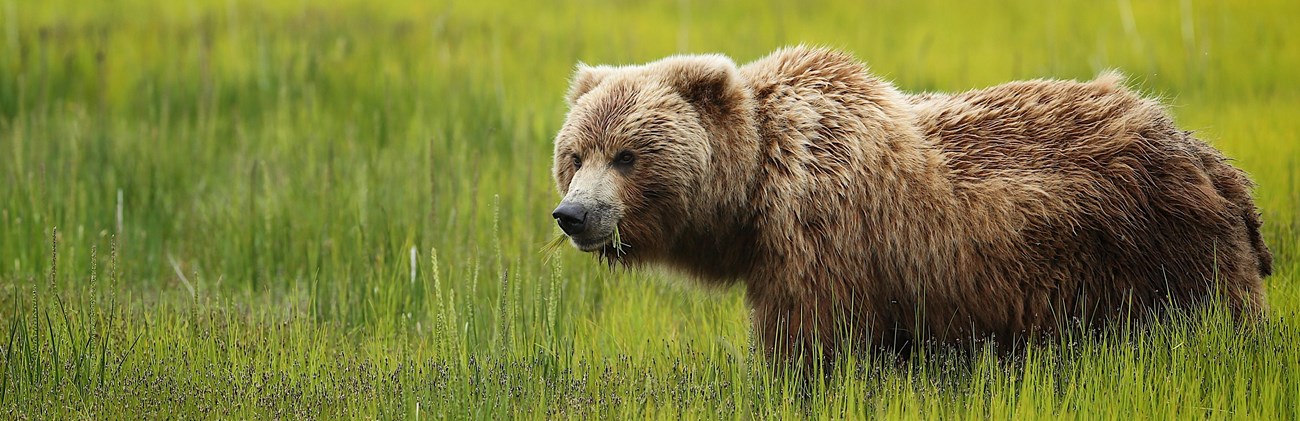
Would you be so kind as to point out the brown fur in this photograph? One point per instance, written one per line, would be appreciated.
(839, 201)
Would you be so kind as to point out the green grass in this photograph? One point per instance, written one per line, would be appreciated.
(239, 209)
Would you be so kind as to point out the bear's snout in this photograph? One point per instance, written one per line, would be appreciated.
(591, 209)
(572, 217)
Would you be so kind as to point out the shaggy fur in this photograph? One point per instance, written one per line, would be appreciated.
(855, 213)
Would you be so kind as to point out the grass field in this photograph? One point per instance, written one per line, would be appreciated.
(257, 209)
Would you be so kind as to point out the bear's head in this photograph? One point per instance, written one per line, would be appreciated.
(639, 156)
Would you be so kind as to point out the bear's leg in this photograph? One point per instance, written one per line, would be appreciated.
(1244, 288)
(812, 332)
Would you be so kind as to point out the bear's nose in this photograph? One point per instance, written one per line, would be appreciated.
(572, 217)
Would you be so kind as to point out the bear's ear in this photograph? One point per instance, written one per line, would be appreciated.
(709, 82)
(585, 79)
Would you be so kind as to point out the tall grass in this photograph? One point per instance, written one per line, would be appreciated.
(260, 174)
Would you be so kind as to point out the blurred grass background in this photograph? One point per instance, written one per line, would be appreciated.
(258, 209)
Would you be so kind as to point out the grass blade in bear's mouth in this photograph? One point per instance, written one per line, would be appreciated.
(618, 241)
(553, 246)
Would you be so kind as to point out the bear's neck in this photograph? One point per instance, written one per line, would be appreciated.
(718, 249)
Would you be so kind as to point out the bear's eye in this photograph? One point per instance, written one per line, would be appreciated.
(625, 158)
(577, 162)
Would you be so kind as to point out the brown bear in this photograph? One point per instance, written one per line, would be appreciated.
(855, 214)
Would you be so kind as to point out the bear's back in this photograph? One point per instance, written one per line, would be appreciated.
(1042, 126)
(1064, 150)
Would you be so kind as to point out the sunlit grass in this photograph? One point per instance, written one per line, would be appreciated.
(256, 209)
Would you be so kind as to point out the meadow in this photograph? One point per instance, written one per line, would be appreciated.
(265, 209)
